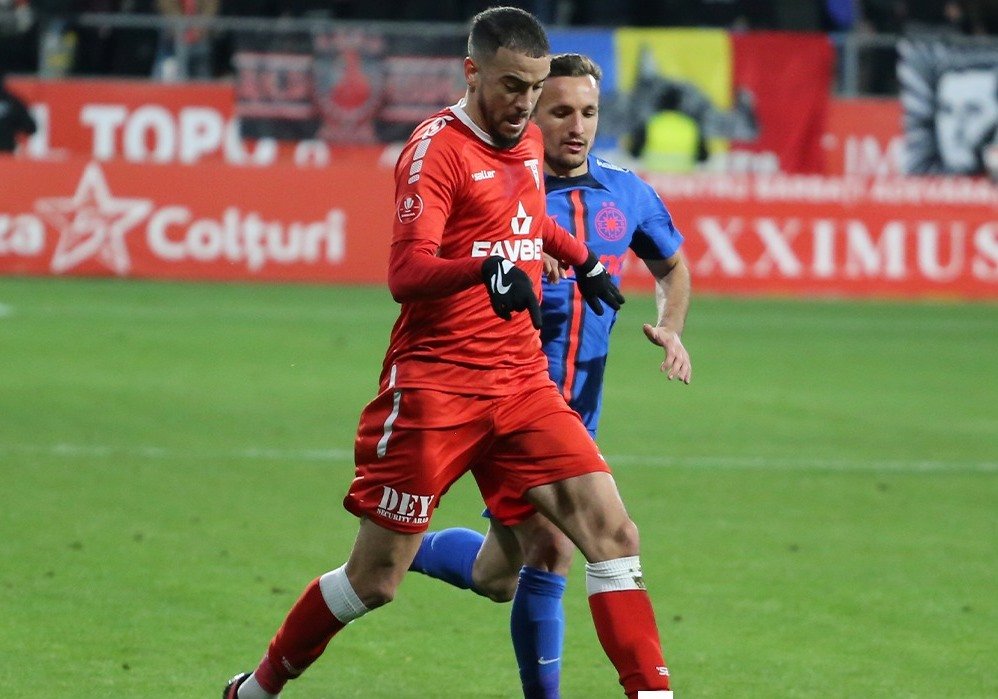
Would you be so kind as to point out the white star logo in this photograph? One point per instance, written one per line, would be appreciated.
(92, 223)
(521, 222)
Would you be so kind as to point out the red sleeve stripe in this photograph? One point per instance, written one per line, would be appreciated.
(576, 314)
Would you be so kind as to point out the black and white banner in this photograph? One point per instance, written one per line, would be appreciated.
(949, 93)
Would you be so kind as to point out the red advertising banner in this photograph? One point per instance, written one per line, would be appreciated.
(213, 222)
(786, 235)
(812, 235)
(143, 122)
(864, 138)
(789, 76)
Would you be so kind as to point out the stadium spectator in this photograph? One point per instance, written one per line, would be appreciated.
(955, 17)
(186, 52)
(615, 211)
(18, 37)
(15, 119)
(465, 386)
(95, 44)
(134, 49)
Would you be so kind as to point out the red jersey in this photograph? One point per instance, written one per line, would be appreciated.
(460, 199)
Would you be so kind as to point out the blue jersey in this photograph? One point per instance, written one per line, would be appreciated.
(611, 209)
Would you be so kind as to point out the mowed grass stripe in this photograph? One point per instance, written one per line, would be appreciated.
(740, 462)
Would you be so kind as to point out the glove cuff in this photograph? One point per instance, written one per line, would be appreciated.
(592, 267)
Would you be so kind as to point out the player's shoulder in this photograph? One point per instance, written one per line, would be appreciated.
(436, 127)
(437, 139)
(606, 165)
(615, 176)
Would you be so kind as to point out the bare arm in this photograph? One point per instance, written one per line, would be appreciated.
(672, 296)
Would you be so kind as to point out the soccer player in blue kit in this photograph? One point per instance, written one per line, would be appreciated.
(613, 210)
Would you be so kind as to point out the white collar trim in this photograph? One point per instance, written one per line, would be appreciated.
(462, 116)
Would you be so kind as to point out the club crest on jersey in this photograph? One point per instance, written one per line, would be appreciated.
(409, 208)
(521, 222)
(532, 164)
(611, 224)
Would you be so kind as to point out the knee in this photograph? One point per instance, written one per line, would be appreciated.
(375, 591)
(625, 537)
(617, 540)
(550, 550)
(496, 587)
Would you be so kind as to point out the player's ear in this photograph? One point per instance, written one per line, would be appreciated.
(471, 74)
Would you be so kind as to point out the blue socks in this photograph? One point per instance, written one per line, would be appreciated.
(449, 555)
(537, 621)
(537, 624)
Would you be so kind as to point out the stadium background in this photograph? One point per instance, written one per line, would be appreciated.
(192, 314)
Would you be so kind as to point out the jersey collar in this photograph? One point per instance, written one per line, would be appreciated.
(592, 178)
(462, 116)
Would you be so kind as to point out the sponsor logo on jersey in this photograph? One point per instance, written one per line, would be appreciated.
(517, 249)
(483, 175)
(521, 222)
(400, 506)
(610, 166)
(409, 208)
(611, 224)
(532, 164)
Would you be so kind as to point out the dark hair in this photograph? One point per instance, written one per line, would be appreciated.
(574, 65)
(506, 27)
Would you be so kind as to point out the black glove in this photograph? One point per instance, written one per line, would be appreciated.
(596, 285)
(510, 289)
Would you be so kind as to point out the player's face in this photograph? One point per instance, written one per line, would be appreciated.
(966, 111)
(504, 90)
(568, 113)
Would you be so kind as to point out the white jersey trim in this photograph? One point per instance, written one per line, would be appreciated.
(462, 116)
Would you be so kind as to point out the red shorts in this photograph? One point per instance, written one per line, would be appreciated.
(414, 443)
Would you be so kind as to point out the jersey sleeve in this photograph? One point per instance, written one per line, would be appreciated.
(415, 273)
(562, 245)
(427, 178)
(427, 181)
(656, 236)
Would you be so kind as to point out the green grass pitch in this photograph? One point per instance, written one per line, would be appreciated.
(819, 509)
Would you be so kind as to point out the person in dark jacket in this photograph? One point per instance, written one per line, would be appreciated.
(14, 118)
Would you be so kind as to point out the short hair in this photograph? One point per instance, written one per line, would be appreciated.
(506, 27)
(574, 65)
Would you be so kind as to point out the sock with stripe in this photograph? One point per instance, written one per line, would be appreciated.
(625, 624)
(537, 624)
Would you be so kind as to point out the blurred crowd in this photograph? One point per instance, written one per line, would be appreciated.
(42, 35)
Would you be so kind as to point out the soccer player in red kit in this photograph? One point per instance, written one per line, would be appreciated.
(464, 385)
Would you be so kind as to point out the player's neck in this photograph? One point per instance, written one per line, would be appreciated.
(474, 113)
(565, 173)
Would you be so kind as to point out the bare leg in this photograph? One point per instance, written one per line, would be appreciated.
(378, 562)
(588, 509)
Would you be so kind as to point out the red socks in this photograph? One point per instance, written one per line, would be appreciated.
(303, 636)
(625, 624)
